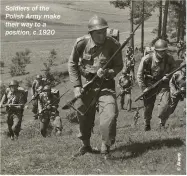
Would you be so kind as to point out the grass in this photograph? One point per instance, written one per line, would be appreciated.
(135, 151)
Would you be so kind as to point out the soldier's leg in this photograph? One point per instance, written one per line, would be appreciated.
(44, 122)
(148, 109)
(173, 104)
(122, 99)
(129, 101)
(86, 121)
(57, 123)
(17, 119)
(163, 106)
(10, 123)
(35, 107)
(108, 112)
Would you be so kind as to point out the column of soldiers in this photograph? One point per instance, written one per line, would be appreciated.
(45, 106)
(90, 53)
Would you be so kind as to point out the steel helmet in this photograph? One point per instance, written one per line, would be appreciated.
(38, 76)
(161, 45)
(97, 23)
(14, 83)
(47, 88)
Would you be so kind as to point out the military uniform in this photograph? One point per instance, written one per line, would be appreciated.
(15, 114)
(130, 62)
(125, 84)
(150, 71)
(92, 57)
(36, 88)
(177, 86)
(50, 113)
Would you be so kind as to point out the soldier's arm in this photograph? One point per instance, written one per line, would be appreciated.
(173, 90)
(172, 64)
(33, 88)
(140, 74)
(73, 69)
(117, 62)
(4, 98)
(40, 107)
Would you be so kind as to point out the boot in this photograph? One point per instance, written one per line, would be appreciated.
(147, 127)
(86, 148)
(105, 149)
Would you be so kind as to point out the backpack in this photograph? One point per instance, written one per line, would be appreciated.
(24, 93)
(55, 92)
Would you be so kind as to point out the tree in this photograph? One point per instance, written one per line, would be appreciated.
(177, 20)
(135, 12)
(142, 36)
(160, 20)
(164, 27)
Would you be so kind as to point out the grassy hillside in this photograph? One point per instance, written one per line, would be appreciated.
(135, 151)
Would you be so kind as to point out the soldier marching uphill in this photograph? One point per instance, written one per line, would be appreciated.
(91, 52)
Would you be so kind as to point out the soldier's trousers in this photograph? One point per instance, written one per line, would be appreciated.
(129, 101)
(45, 118)
(173, 104)
(163, 108)
(108, 113)
(14, 123)
(35, 106)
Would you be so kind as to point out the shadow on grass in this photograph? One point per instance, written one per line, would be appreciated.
(137, 149)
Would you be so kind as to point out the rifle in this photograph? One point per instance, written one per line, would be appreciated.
(147, 90)
(11, 105)
(45, 108)
(88, 85)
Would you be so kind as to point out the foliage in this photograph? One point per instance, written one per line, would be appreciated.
(137, 11)
(48, 64)
(19, 63)
(2, 64)
(29, 80)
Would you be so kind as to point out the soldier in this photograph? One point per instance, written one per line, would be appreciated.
(177, 86)
(125, 84)
(95, 49)
(47, 106)
(15, 98)
(130, 62)
(152, 68)
(37, 87)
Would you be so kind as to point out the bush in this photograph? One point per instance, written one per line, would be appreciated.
(17, 69)
(29, 80)
(2, 64)
(19, 63)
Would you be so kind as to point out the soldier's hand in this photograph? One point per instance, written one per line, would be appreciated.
(100, 73)
(77, 91)
(165, 78)
(183, 89)
(33, 96)
(110, 74)
(48, 107)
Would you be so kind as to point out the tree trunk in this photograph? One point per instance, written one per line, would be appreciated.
(142, 37)
(179, 23)
(183, 20)
(160, 19)
(164, 28)
(132, 39)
